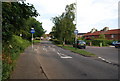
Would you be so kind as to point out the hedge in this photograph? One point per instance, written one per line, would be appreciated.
(10, 52)
(97, 42)
(56, 41)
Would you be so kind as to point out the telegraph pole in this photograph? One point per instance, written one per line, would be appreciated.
(76, 14)
(76, 31)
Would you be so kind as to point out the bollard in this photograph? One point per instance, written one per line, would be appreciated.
(101, 44)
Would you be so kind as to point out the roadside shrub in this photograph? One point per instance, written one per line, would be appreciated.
(10, 52)
(87, 42)
(56, 41)
(97, 42)
(51, 39)
(80, 38)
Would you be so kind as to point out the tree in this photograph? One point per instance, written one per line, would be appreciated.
(64, 27)
(14, 16)
(33, 23)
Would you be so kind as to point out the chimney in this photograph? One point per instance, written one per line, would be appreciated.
(106, 29)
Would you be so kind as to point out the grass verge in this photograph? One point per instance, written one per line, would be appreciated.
(10, 53)
(36, 41)
(76, 50)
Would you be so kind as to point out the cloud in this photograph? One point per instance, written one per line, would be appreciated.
(90, 13)
(47, 24)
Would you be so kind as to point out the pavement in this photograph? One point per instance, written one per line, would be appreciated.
(28, 67)
(47, 61)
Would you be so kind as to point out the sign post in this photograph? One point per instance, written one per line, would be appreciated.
(32, 31)
(76, 32)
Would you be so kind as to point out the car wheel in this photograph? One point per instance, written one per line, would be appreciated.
(116, 47)
(84, 47)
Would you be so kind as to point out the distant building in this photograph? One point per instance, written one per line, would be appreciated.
(109, 34)
(48, 36)
(93, 30)
(80, 34)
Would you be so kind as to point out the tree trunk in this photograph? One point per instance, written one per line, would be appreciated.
(63, 41)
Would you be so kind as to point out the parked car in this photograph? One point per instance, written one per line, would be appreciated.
(80, 44)
(114, 42)
(117, 45)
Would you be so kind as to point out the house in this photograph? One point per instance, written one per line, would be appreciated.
(79, 35)
(48, 36)
(113, 34)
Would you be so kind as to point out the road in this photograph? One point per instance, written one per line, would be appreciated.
(58, 63)
(108, 53)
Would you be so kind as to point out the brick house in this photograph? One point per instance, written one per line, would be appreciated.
(79, 35)
(109, 34)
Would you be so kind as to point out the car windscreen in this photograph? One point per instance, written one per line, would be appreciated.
(81, 42)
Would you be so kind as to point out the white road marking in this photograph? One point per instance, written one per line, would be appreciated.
(44, 49)
(66, 57)
(36, 50)
(53, 49)
(104, 60)
(63, 55)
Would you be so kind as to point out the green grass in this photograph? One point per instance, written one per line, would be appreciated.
(10, 53)
(79, 51)
(36, 41)
(59, 45)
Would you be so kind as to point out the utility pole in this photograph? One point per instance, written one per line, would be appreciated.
(76, 31)
(76, 14)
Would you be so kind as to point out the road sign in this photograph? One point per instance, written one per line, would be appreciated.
(32, 31)
(76, 32)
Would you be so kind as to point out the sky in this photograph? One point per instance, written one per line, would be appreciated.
(90, 13)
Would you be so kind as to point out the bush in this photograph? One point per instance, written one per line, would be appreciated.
(11, 51)
(56, 41)
(97, 42)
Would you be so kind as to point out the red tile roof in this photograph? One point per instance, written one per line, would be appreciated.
(115, 31)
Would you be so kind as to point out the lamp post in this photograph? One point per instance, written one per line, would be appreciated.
(32, 31)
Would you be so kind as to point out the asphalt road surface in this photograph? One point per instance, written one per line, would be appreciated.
(58, 63)
(108, 53)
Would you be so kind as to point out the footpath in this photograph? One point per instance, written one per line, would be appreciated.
(28, 67)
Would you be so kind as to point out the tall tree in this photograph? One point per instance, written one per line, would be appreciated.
(63, 25)
(33, 23)
(14, 14)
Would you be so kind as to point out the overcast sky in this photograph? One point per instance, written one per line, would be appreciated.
(90, 13)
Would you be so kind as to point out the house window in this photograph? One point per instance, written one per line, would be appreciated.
(112, 36)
